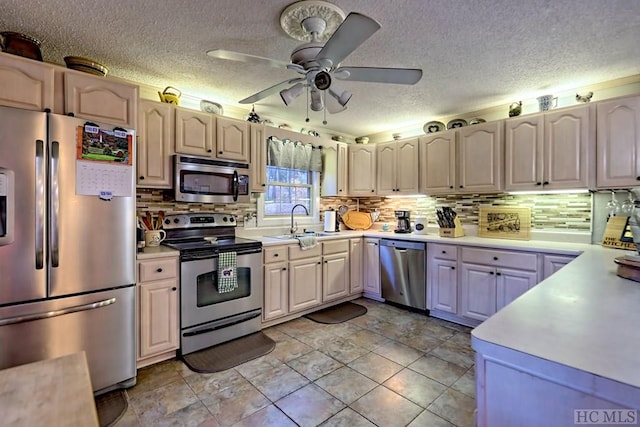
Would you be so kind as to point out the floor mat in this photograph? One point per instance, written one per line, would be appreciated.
(111, 407)
(338, 313)
(229, 354)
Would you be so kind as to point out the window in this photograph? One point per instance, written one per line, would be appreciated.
(286, 188)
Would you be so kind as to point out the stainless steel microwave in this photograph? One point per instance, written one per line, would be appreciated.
(202, 180)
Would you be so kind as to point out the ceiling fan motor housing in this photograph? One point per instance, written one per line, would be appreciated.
(322, 80)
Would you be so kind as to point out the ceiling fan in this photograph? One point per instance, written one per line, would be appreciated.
(330, 37)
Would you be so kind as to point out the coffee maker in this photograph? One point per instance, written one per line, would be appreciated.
(404, 222)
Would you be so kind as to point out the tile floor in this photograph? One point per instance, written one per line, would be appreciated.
(389, 367)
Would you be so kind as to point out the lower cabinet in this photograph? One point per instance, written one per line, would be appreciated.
(276, 282)
(371, 267)
(442, 278)
(158, 320)
(335, 269)
(305, 283)
(356, 283)
(552, 263)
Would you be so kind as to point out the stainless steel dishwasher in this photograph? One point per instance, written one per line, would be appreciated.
(402, 272)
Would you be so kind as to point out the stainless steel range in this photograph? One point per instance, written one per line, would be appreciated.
(210, 311)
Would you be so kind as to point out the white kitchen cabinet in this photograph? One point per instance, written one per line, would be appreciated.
(232, 139)
(569, 137)
(480, 158)
(477, 291)
(98, 99)
(155, 145)
(438, 163)
(397, 167)
(442, 285)
(195, 132)
(552, 263)
(305, 283)
(371, 268)
(356, 283)
(511, 283)
(25, 83)
(618, 143)
(524, 152)
(276, 290)
(258, 157)
(362, 170)
(335, 269)
(158, 320)
(334, 169)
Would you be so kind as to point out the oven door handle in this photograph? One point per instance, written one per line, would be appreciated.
(235, 186)
(217, 327)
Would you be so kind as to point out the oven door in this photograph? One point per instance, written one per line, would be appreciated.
(202, 303)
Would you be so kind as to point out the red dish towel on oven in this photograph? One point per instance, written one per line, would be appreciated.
(227, 272)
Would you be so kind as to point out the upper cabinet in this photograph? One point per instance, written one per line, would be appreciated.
(480, 158)
(25, 83)
(397, 167)
(334, 169)
(362, 170)
(258, 158)
(618, 143)
(99, 99)
(552, 150)
(155, 144)
(232, 139)
(438, 163)
(195, 132)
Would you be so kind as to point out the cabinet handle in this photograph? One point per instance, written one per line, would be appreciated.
(209, 151)
(453, 268)
(373, 191)
(545, 183)
(444, 252)
(491, 272)
(141, 178)
(320, 262)
(462, 186)
(538, 183)
(340, 190)
(284, 268)
(326, 262)
(498, 274)
(159, 270)
(275, 255)
(495, 258)
(264, 185)
(174, 289)
(637, 178)
(220, 152)
(451, 187)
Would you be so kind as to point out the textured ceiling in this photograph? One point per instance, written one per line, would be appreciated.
(474, 54)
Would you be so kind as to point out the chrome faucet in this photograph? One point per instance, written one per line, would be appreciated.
(294, 228)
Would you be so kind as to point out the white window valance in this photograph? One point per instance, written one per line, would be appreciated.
(293, 155)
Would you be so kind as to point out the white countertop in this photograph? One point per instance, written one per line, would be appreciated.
(156, 252)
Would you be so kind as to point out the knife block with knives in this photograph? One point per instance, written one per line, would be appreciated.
(449, 223)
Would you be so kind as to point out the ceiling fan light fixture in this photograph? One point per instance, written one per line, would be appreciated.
(341, 96)
(288, 95)
(316, 100)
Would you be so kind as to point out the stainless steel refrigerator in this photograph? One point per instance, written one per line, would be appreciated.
(67, 260)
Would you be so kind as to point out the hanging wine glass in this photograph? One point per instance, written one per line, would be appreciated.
(627, 206)
(613, 206)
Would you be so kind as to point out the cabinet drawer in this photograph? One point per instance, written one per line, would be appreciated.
(157, 269)
(275, 254)
(435, 250)
(496, 258)
(335, 247)
(296, 253)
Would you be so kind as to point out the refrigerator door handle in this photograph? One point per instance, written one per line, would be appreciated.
(62, 312)
(40, 204)
(55, 203)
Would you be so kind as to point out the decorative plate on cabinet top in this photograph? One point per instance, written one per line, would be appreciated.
(456, 123)
(86, 65)
(432, 127)
(477, 121)
(211, 107)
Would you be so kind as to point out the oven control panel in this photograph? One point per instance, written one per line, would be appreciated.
(199, 220)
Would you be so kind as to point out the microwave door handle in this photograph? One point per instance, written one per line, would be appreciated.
(55, 203)
(235, 186)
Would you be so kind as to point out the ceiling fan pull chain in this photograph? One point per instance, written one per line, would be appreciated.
(307, 119)
(324, 110)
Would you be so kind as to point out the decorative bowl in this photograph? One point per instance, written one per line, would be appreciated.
(362, 140)
(211, 107)
(20, 44)
(432, 127)
(86, 65)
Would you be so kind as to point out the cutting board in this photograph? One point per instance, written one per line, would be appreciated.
(357, 220)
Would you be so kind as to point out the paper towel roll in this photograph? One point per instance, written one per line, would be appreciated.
(329, 221)
(420, 225)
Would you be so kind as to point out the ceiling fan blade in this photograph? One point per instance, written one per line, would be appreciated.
(270, 91)
(354, 30)
(402, 76)
(246, 58)
(332, 106)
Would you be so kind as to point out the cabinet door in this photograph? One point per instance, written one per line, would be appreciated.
(567, 150)
(443, 285)
(362, 170)
(25, 83)
(618, 131)
(158, 320)
(305, 283)
(232, 139)
(195, 133)
(523, 160)
(343, 168)
(438, 163)
(478, 291)
(386, 168)
(553, 263)
(480, 157)
(101, 100)
(356, 283)
(329, 183)
(335, 276)
(276, 290)
(407, 166)
(371, 267)
(155, 145)
(511, 283)
(258, 165)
